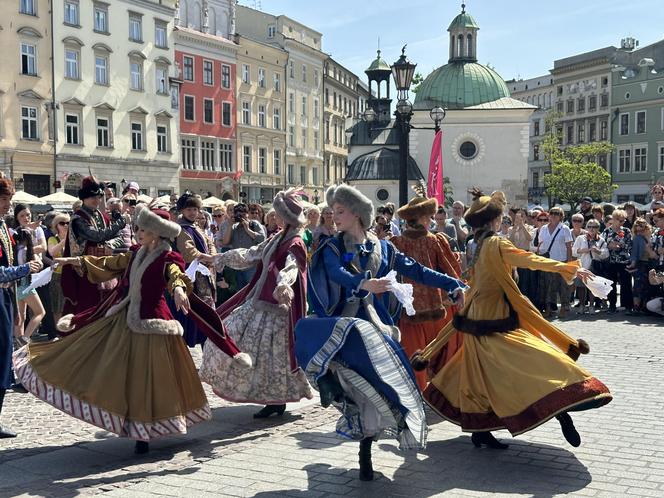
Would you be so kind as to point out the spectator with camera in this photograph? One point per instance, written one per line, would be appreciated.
(619, 241)
(244, 233)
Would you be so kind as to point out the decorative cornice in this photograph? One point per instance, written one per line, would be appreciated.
(104, 106)
(30, 94)
(163, 60)
(163, 113)
(73, 101)
(28, 31)
(72, 40)
(138, 110)
(136, 53)
(103, 47)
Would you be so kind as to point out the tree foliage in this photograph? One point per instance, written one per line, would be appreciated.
(417, 81)
(575, 173)
(448, 191)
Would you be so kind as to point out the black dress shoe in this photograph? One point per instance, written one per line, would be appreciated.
(569, 431)
(268, 410)
(6, 432)
(18, 388)
(142, 447)
(366, 467)
(487, 439)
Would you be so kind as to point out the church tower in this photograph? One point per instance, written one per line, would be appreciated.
(463, 37)
(378, 72)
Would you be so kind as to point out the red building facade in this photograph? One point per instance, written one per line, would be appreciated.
(207, 112)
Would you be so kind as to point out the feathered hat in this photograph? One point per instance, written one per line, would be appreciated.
(187, 200)
(359, 204)
(156, 221)
(485, 208)
(289, 207)
(90, 187)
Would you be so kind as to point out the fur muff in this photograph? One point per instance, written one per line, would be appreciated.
(353, 199)
(243, 360)
(418, 362)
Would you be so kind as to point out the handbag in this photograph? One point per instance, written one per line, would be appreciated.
(547, 254)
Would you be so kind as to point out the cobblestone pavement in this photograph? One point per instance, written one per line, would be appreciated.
(234, 455)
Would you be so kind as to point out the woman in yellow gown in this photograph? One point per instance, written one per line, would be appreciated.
(515, 370)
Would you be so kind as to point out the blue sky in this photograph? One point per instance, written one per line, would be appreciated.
(517, 37)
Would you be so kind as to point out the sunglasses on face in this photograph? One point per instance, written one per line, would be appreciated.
(577, 221)
(217, 215)
(63, 223)
(542, 219)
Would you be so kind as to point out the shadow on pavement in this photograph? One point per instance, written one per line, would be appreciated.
(449, 465)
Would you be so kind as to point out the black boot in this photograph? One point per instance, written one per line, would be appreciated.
(329, 389)
(268, 410)
(142, 447)
(366, 468)
(487, 439)
(5, 432)
(569, 431)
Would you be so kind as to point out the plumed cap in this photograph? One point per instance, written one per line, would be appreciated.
(485, 208)
(90, 187)
(353, 199)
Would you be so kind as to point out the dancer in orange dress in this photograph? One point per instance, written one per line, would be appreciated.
(433, 307)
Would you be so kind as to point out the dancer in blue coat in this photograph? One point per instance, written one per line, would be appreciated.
(350, 350)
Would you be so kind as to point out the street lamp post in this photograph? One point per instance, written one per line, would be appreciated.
(403, 71)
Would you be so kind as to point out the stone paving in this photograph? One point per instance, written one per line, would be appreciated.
(299, 456)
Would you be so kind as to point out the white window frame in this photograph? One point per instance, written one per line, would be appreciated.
(74, 63)
(73, 135)
(161, 70)
(290, 174)
(261, 115)
(291, 69)
(276, 118)
(314, 175)
(136, 80)
(163, 142)
(189, 152)
(32, 122)
(98, 69)
(227, 105)
(210, 64)
(193, 108)
(106, 130)
(291, 136)
(316, 109)
(186, 58)
(636, 122)
(303, 175)
(276, 161)
(102, 10)
(626, 153)
(30, 68)
(271, 30)
(660, 156)
(28, 7)
(137, 135)
(208, 154)
(135, 27)
(642, 158)
(225, 77)
(277, 82)
(205, 105)
(72, 13)
(262, 160)
(246, 158)
(304, 73)
(305, 101)
(620, 128)
(291, 102)
(225, 156)
(261, 77)
(304, 138)
(160, 27)
(316, 78)
(246, 73)
(246, 112)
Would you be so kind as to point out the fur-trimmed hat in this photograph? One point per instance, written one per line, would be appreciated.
(187, 200)
(156, 221)
(353, 199)
(289, 207)
(90, 187)
(418, 207)
(485, 208)
(6, 186)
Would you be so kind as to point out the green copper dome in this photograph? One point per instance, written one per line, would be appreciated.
(463, 21)
(460, 84)
(379, 65)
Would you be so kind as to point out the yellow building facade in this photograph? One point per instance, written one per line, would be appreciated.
(26, 145)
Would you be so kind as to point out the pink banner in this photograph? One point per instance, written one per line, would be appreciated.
(435, 182)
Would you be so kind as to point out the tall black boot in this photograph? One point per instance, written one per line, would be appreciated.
(366, 468)
(5, 432)
(569, 431)
(329, 389)
(142, 447)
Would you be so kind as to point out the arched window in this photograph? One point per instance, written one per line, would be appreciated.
(459, 50)
(451, 46)
(212, 20)
(469, 48)
(184, 14)
(194, 16)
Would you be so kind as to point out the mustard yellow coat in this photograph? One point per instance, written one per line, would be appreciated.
(513, 380)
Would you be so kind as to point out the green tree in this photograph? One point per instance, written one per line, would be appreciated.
(417, 81)
(574, 173)
(448, 191)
